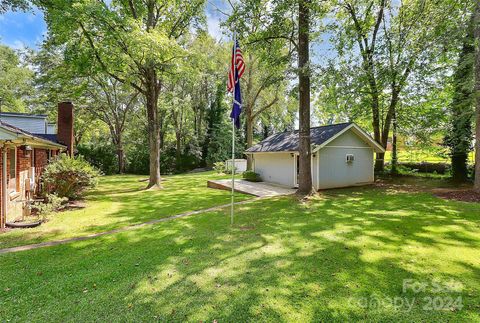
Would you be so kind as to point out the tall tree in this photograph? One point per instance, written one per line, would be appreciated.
(113, 103)
(134, 42)
(291, 20)
(16, 81)
(459, 137)
(217, 142)
(477, 96)
(262, 91)
(304, 147)
(266, 67)
(393, 43)
(14, 5)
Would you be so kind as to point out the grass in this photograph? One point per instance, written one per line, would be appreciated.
(120, 201)
(418, 155)
(342, 256)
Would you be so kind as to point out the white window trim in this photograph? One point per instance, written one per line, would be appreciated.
(349, 161)
(10, 178)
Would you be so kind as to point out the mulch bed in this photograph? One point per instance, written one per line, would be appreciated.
(459, 195)
(79, 204)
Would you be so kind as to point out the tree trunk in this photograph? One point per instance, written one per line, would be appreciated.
(178, 148)
(151, 98)
(379, 162)
(249, 126)
(120, 155)
(249, 141)
(305, 171)
(249, 120)
(394, 144)
(477, 96)
(265, 131)
(121, 161)
(391, 114)
(460, 136)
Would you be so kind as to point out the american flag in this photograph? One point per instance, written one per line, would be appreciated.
(237, 67)
(233, 85)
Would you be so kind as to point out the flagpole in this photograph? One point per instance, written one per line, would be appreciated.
(233, 138)
(233, 170)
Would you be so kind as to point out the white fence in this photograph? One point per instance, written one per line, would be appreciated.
(240, 165)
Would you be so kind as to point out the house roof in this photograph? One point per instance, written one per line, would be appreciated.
(48, 136)
(41, 138)
(288, 141)
(23, 115)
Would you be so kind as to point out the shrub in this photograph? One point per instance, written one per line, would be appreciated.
(251, 176)
(101, 155)
(52, 203)
(219, 167)
(424, 167)
(229, 170)
(69, 177)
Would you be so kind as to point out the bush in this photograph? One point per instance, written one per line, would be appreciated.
(251, 176)
(219, 167)
(101, 155)
(424, 167)
(229, 170)
(69, 177)
(52, 203)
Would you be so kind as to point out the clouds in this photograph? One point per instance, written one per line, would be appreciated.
(216, 11)
(213, 25)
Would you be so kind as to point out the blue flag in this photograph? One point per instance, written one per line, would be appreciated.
(237, 105)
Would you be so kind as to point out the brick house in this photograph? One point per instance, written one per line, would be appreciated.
(27, 143)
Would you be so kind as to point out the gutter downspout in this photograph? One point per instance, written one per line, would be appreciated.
(4, 188)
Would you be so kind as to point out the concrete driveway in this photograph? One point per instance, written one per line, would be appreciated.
(260, 189)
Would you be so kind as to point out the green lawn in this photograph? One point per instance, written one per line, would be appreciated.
(342, 256)
(418, 155)
(120, 201)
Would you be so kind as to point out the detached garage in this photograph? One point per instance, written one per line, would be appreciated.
(342, 155)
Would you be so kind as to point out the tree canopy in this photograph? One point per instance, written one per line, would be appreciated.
(149, 81)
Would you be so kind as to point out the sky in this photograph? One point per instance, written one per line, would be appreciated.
(27, 29)
(22, 29)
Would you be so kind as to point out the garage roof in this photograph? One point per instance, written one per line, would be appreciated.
(288, 141)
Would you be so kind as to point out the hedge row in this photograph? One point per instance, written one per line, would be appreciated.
(425, 167)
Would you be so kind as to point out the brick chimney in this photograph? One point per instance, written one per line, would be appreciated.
(65, 125)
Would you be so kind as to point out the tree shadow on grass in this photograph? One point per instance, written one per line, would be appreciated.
(317, 262)
(122, 201)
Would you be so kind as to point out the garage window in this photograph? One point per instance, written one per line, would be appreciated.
(349, 158)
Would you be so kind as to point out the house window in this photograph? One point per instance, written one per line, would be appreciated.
(32, 161)
(349, 158)
(12, 169)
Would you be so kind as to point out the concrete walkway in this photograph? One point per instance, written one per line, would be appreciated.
(260, 189)
(123, 229)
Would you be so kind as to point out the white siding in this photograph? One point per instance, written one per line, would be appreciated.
(329, 166)
(334, 171)
(275, 167)
(348, 139)
(30, 124)
(51, 128)
(315, 169)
